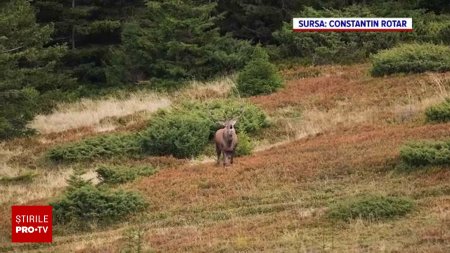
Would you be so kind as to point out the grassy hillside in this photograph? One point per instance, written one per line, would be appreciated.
(334, 137)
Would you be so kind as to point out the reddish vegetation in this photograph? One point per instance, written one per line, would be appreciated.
(287, 168)
(348, 84)
(296, 162)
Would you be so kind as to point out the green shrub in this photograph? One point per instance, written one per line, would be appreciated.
(89, 205)
(122, 174)
(245, 145)
(371, 208)
(411, 58)
(440, 112)
(426, 153)
(185, 131)
(102, 146)
(259, 76)
(251, 118)
(181, 134)
(17, 108)
(444, 34)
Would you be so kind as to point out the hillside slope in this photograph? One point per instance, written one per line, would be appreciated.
(335, 135)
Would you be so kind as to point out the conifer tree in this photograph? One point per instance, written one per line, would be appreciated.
(90, 28)
(175, 41)
(254, 20)
(28, 75)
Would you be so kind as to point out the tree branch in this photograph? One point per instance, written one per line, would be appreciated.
(12, 50)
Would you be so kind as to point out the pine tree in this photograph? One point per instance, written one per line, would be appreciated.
(28, 75)
(175, 41)
(255, 20)
(259, 76)
(90, 28)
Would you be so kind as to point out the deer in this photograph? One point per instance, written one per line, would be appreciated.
(226, 141)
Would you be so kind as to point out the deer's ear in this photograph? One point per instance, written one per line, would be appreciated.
(233, 121)
(221, 123)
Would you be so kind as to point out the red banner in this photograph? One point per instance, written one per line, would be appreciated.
(31, 223)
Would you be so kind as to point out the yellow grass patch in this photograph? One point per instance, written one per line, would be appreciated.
(99, 114)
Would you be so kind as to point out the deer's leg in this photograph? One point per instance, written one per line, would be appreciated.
(224, 158)
(218, 152)
(231, 156)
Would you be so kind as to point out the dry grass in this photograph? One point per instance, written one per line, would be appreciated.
(342, 96)
(49, 182)
(220, 88)
(102, 115)
(342, 131)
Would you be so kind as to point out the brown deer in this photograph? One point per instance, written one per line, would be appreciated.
(226, 141)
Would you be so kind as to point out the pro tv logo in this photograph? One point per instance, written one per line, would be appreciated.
(31, 223)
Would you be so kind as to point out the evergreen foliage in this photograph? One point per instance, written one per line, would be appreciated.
(30, 79)
(112, 145)
(250, 117)
(84, 205)
(424, 153)
(184, 132)
(183, 135)
(162, 44)
(259, 76)
(254, 20)
(245, 146)
(327, 48)
(176, 41)
(411, 58)
(439, 112)
(90, 28)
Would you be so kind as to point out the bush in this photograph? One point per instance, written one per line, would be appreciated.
(121, 174)
(440, 112)
(251, 118)
(185, 131)
(426, 153)
(444, 34)
(259, 76)
(181, 134)
(102, 146)
(84, 204)
(17, 108)
(245, 146)
(371, 208)
(411, 58)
